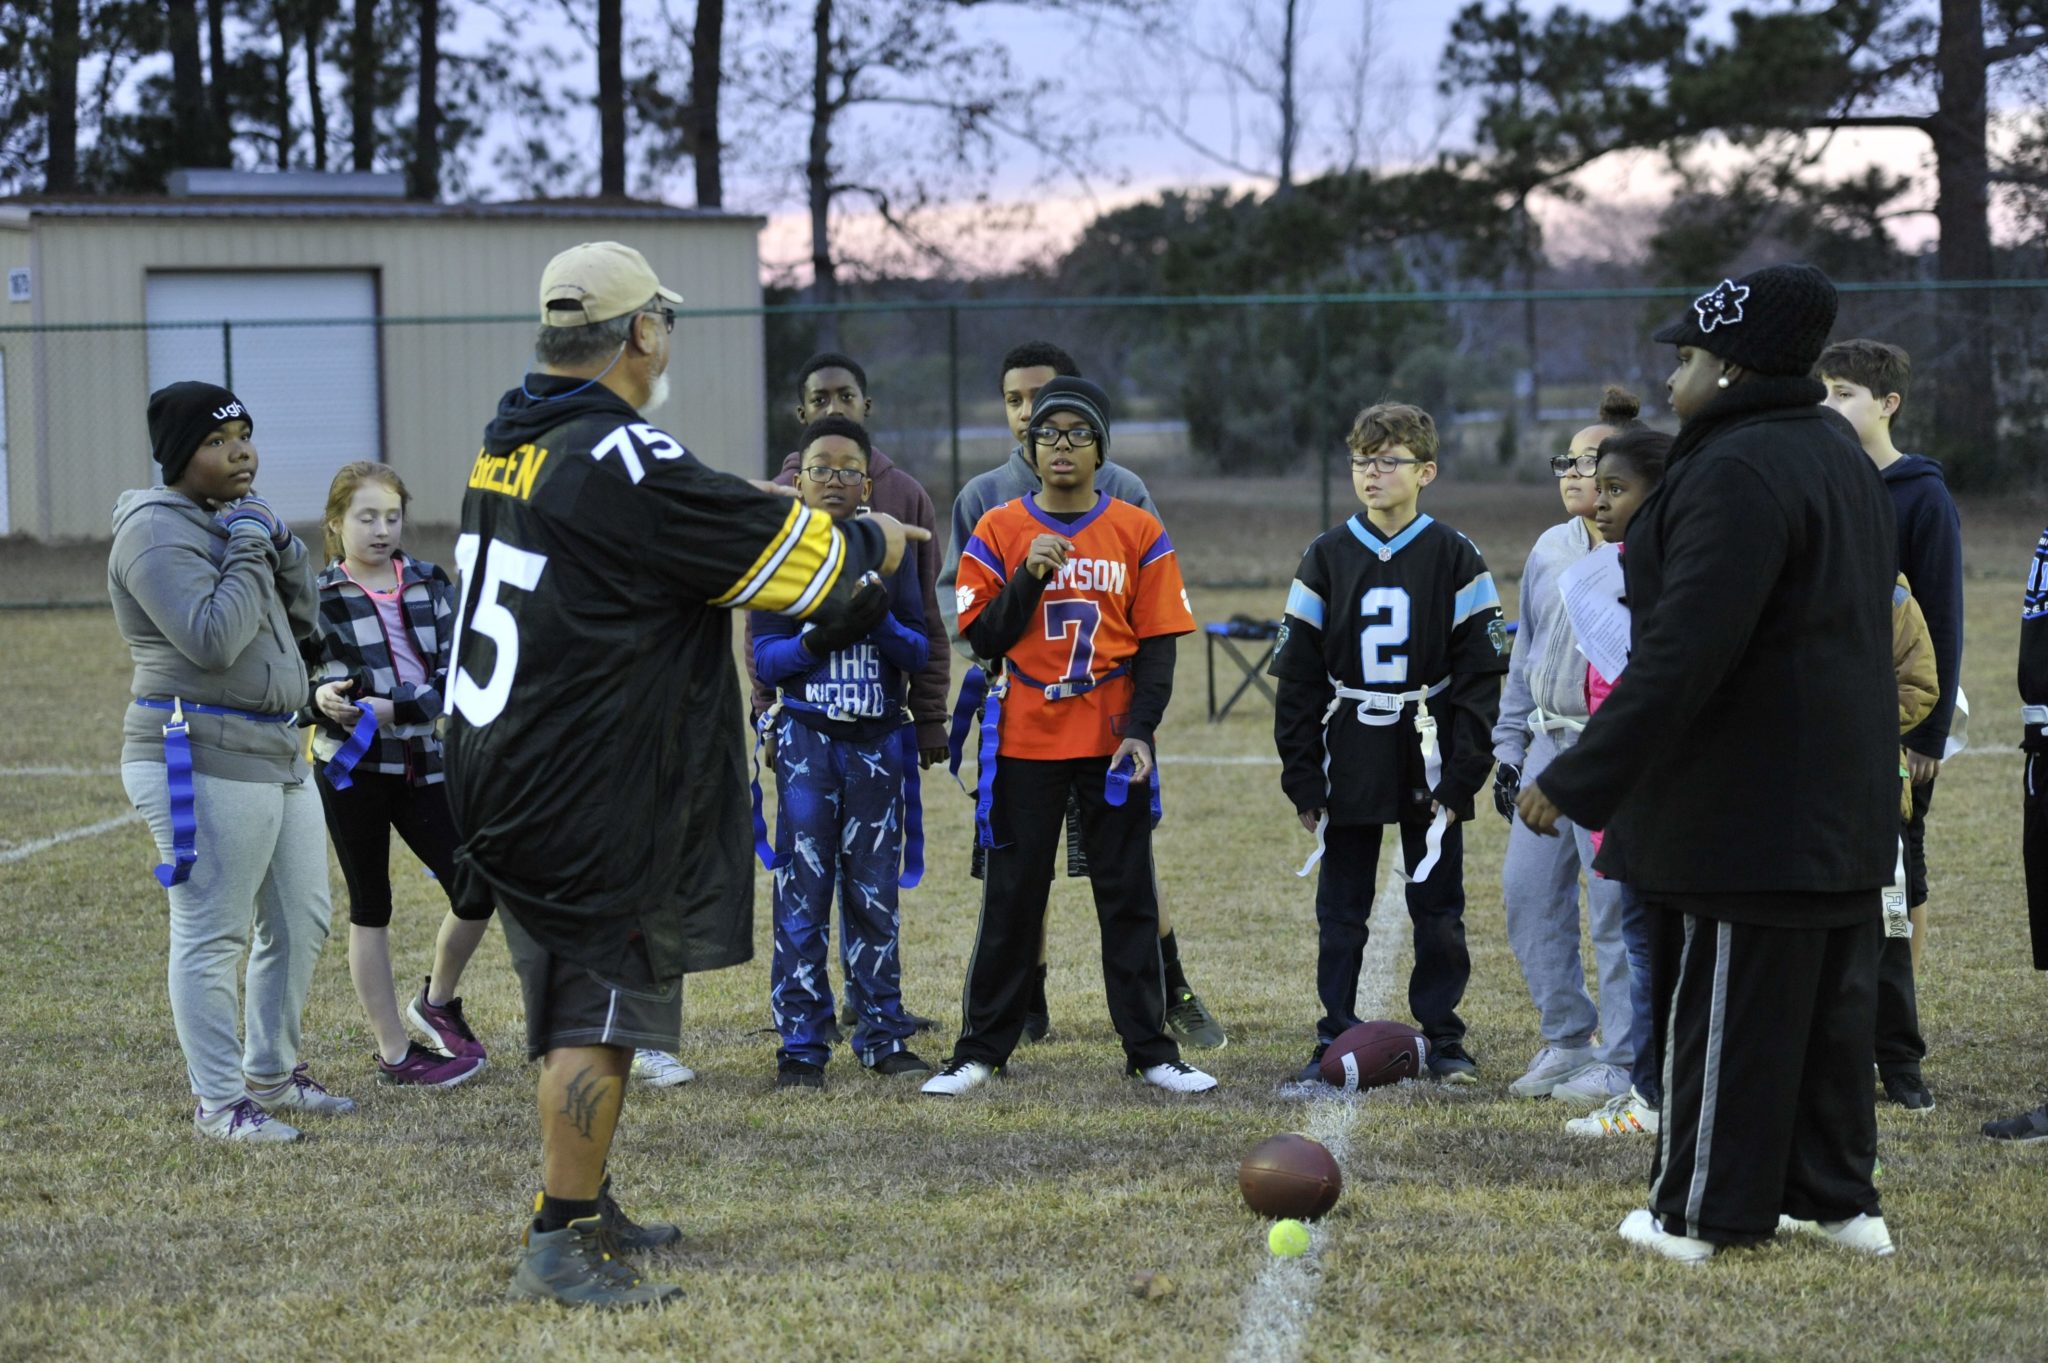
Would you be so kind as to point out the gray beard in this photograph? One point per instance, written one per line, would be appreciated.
(658, 397)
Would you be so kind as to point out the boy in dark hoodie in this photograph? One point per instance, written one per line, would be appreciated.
(1866, 383)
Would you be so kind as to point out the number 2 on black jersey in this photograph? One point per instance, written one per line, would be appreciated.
(1384, 610)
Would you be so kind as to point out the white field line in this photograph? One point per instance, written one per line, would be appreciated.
(91, 830)
(1273, 1325)
(60, 771)
(1210, 760)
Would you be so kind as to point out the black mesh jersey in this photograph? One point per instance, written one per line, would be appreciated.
(595, 735)
(1396, 615)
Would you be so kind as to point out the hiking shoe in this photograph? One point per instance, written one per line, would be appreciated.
(1623, 1115)
(429, 1068)
(242, 1120)
(626, 1235)
(1590, 1087)
(1909, 1091)
(1312, 1072)
(799, 1074)
(1175, 1077)
(955, 1077)
(1450, 1064)
(2024, 1129)
(1863, 1233)
(572, 1267)
(444, 1022)
(660, 1070)
(301, 1094)
(901, 1062)
(1190, 1020)
(1640, 1227)
(1551, 1067)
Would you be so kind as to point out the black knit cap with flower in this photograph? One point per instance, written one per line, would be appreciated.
(1774, 321)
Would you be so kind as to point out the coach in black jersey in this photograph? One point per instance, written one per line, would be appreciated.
(595, 754)
(1745, 768)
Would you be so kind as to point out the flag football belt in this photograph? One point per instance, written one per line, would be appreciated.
(1381, 708)
(178, 779)
(1542, 721)
(341, 767)
(983, 700)
(904, 736)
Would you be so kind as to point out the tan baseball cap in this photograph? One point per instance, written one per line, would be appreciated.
(595, 282)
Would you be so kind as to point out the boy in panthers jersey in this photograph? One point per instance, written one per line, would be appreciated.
(1080, 596)
(1389, 668)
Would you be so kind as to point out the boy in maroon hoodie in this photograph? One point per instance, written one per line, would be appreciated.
(831, 383)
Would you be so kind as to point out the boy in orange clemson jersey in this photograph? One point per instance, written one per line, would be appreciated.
(1080, 596)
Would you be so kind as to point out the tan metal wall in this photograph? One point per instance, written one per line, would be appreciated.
(440, 383)
(20, 472)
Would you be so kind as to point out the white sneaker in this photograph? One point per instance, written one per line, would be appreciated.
(1625, 1115)
(1862, 1233)
(1176, 1077)
(660, 1070)
(300, 1093)
(1551, 1067)
(1592, 1086)
(955, 1077)
(242, 1120)
(1640, 1227)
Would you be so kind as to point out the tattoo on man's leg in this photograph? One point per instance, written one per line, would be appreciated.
(587, 1093)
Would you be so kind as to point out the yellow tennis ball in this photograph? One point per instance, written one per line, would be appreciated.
(1288, 1239)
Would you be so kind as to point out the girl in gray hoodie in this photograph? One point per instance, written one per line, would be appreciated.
(214, 596)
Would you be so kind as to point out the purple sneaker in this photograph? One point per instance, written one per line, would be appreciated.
(445, 1023)
(429, 1069)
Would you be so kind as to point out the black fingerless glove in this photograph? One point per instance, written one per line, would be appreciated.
(1507, 784)
(864, 610)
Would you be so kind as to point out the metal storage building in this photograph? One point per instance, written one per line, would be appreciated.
(325, 302)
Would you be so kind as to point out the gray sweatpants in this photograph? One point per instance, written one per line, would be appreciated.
(1540, 888)
(260, 886)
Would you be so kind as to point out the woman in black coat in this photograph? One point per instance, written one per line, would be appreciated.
(1746, 768)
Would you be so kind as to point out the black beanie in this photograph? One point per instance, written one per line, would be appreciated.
(1775, 320)
(182, 415)
(1071, 393)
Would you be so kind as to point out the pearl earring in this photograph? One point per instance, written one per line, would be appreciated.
(1722, 381)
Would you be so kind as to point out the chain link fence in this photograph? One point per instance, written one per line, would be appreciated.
(1233, 409)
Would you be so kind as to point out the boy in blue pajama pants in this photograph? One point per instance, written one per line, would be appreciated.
(842, 755)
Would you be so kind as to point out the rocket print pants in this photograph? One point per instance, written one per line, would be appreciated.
(840, 828)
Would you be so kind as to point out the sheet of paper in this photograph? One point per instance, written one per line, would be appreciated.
(1592, 590)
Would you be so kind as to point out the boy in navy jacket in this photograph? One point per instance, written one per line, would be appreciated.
(1866, 382)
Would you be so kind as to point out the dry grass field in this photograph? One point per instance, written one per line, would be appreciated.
(869, 1223)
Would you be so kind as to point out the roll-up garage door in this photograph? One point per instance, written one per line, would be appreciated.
(312, 390)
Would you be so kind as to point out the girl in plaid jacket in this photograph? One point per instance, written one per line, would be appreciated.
(385, 635)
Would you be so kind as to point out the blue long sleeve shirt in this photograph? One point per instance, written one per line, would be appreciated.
(855, 692)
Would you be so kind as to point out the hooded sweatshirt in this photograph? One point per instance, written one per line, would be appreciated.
(1006, 483)
(902, 496)
(1931, 557)
(215, 617)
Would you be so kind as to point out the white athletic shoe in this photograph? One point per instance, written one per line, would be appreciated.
(1176, 1077)
(660, 1070)
(1592, 1086)
(1862, 1233)
(1640, 1227)
(242, 1120)
(1551, 1067)
(1625, 1115)
(299, 1093)
(955, 1077)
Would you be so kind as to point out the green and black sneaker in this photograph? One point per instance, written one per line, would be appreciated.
(572, 1267)
(1191, 1022)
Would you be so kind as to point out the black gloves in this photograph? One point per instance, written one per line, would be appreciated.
(1507, 784)
(867, 608)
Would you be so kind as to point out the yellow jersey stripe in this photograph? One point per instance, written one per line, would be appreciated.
(795, 570)
(763, 568)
